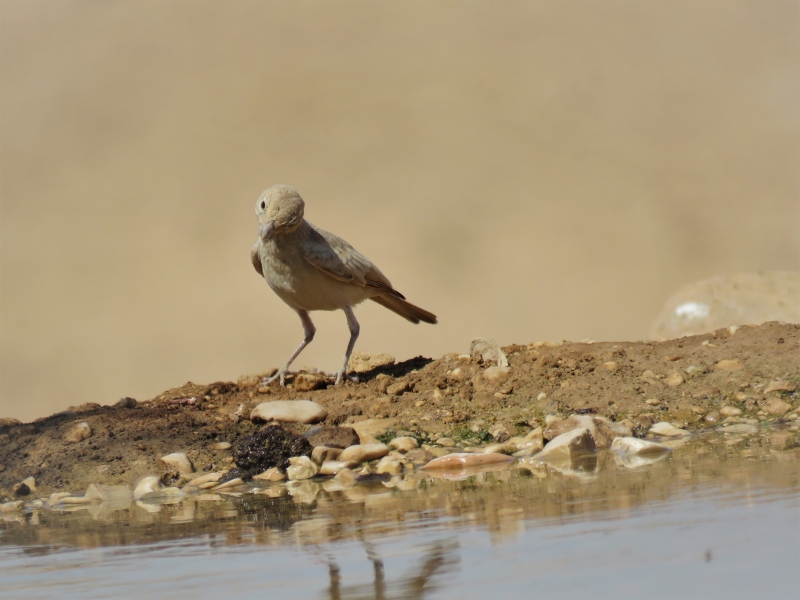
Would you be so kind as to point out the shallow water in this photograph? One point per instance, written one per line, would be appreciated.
(718, 517)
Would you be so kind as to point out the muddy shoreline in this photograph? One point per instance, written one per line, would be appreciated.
(744, 375)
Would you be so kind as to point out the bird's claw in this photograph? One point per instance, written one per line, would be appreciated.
(281, 375)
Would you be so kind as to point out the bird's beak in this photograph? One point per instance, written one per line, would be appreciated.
(265, 230)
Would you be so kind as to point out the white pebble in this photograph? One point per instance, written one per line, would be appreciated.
(667, 430)
(289, 411)
(147, 485)
(178, 461)
(301, 467)
(364, 452)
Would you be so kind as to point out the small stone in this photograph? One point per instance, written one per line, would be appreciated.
(301, 467)
(147, 485)
(230, 483)
(332, 437)
(78, 433)
(271, 474)
(436, 451)
(289, 411)
(530, 444)
(674, 380)
(30, 482)
(305, 382)
(712, 417)
(221, 446)
(739, 428)
(21, 489)
(667, 430)
(389, 465)
(694, 370)
(399, 388)
(361, 362)
(207, 478)
(602, 430)
(632, 445)
(781, 386)
(464, 459)
(364, 452)
(346, 476)
(14, 506)
(177, 461)
(705, 391)
(332, 467)
(254, 380)
(418, 455)
(126, 403)
(611, 365)
(730, 411)
(499, 433)
(729, 364)
(567, 447)
(57, 497)
(369, 429)
(776, 406)
(446, 442)
(652, 402)
(403, 444)
(322, 454)
(496, 375)
(488, 351)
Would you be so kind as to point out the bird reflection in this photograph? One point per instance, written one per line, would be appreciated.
(438, 559)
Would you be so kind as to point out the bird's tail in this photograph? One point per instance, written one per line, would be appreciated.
(405, 309)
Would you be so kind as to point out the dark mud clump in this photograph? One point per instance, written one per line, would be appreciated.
(270, 447)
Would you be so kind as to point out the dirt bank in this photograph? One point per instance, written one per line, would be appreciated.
(685, 381)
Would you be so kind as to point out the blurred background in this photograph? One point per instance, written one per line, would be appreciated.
(525, 170)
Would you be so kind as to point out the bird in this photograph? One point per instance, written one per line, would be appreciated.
(312, 269)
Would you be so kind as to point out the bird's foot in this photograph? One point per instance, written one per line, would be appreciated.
(280, 375)
(340, 376)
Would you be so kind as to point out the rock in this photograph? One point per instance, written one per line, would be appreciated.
(361, 362)
(739, 428)
(674, 380)
(332, 467)
(776, 406)
(446, 442)
(346, 476)
(496, 448)
(603, 430)
(305, 382)
(491, 378)
(126, 403)
(289, 411)
(419, 456)
(322, 454)
(78, 433)
(500, 433)
(632, 445)
(778, 385)
(254, 380)
(146, 485)
(569, 449)
(729, 364)
(364, 452)
(14, 506)
(705, 391)
(403, 444)
(667, 430)
(460, 460)
(530, 444)
(208, 478)
(399, 388)
(21, 489)
(332, 437)
(108, 493)
(177, 461)
(230, 483)
(389, 465)
(301, 467)
(369, 429)
(273, 474)
(713, 417)
(221, 446)
(270, 447)
(730, 411)
(611, 366)
(488, 351)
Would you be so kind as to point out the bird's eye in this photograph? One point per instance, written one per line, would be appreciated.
(263, 205)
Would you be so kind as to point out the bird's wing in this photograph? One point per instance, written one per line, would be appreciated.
(338, 259)
(256, 259)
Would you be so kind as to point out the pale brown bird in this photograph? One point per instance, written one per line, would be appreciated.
(311, 269)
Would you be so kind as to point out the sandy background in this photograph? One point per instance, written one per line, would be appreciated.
(531, 170)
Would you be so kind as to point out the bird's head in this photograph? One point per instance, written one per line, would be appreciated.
(279, 210)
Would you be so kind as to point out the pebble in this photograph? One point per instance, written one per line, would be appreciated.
(568, 446)
(464, 459)
(530, 444)
(674, 379)
(389, 465)
(147, 485)
(369, 429)
(399, 388)
(712, 417)
(207, 478)
(778, 385)
(776, 406)
(322, 454)
(602, 430)
(338, 437)
(57, 497)
(346, 476)
(332, 467)
(8, 507)
(301, 467)
(78, 433)
(177, 461)
(693, 370)
(667, 430)
(705, 391)
(126, 403)
(729, 364)
(221, 446)
(419, 455)
(289, 411)
(361, 362)
(496, 375)
(403, 444)
(488, 351)
(435, 451)
(611, 366)
(271, 474)
(306, 382)
(632, 445)
(446, 442)
(229, 484)
(730, 411)
(739, 428)
(364, 452)
(499, 433)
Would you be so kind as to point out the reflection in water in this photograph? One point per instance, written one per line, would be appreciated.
(321, 519)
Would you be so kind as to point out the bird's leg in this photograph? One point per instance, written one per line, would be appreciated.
(309, 330)
(354, 327)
